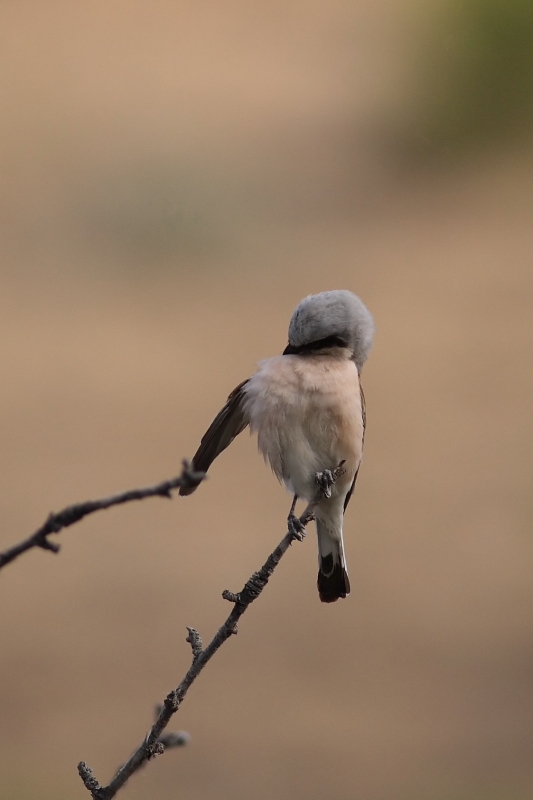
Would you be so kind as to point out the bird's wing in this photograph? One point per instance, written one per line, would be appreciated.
(227, 424)
(363, 412)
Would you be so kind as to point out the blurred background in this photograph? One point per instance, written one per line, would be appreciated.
(176, 176)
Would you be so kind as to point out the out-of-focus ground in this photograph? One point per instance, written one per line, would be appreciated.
(175, 178)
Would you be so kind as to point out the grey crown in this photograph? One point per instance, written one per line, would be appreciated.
(336, 313)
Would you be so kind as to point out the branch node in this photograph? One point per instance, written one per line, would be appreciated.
(231, 596)
(254, 586)
(46, 544)
(175, 739)
(156, 749)
(172, 701)
(52, 523)
(195, 641)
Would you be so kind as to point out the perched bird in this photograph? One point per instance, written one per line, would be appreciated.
(308, 409)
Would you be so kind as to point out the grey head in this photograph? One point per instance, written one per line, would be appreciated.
(332, 319)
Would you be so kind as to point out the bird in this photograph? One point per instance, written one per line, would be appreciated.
(308, 409)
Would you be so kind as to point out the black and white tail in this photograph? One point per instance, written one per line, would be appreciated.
(333, 581)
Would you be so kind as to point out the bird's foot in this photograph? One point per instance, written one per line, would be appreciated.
(325, 480)
(296, 528)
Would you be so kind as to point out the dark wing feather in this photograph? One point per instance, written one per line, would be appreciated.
(363, 410)
(227, 424)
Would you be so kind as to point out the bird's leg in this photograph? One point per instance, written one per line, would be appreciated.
(327, 478)
(296, 529)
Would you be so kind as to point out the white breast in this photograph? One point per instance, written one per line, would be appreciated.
(308, 417)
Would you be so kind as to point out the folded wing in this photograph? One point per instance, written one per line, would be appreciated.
(363, 411)
(227, 424)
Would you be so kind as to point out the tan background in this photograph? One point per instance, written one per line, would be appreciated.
(176, 177)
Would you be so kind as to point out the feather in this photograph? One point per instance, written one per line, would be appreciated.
(228, 423)
(363, 412)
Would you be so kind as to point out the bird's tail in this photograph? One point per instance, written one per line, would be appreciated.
(332, 575)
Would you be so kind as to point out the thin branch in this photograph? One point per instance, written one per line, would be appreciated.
(71, 514)
(153, 742)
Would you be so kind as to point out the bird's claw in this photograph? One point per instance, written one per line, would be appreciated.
(296, 528)
(325, 481)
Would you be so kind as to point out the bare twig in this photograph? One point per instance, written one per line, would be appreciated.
(89, 781)
(154, 741)
(71, 514)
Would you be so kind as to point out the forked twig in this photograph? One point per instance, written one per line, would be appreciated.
(71, 514)
(154, 743)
